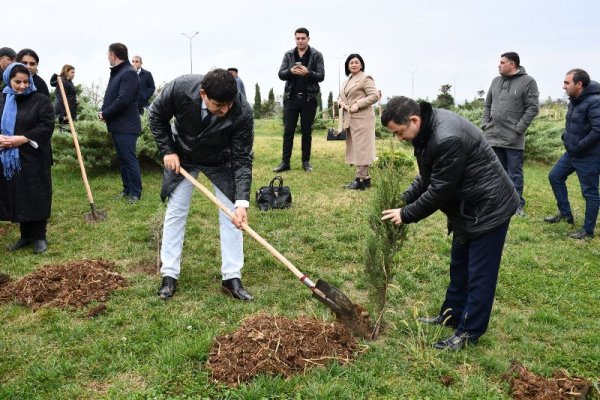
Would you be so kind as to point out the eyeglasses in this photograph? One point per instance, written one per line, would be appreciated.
(30, 63)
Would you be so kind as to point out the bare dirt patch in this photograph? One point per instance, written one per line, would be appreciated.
(144, 267)
(71, 285)
(275, 345)
(525, 385)
(4, 228)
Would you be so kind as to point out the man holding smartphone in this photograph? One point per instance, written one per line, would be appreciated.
(302, 69)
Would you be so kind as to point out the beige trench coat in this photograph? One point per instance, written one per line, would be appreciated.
(360, 140)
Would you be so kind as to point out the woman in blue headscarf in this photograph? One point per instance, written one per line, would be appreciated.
(27, 123)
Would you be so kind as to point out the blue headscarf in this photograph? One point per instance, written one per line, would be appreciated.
(10, 157)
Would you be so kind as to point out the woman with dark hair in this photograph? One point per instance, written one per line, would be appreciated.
(67, 73)
(27, 123)
(30, 60)
(357, 94)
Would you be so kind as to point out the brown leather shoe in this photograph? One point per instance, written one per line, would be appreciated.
(233, 287)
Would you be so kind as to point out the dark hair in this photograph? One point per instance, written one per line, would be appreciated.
(219, 85)
(350, 57)
(399, 109)
(232, 69)
(18, 68)
(119, 50)
(27, 52)
(512, 56)
(65, 69)
(302, 30)
(580, 75)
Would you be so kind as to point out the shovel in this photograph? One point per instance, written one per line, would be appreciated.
(95, 215)
(355, 317)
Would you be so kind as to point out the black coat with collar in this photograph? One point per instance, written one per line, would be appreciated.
(147, 87)
(316, 71)
(120, 106)
(460, 175)
(70, 93)
(222, 151)
(27, 196)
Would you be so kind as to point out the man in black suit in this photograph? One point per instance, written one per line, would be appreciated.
(147, 87)
(120, 112)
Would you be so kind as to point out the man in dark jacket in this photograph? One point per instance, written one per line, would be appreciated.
(460, 175)
(213, 133)
(582, 142)
(511, 104)
(122, 117)
(7, 57)
(147, 87)
(302, 69)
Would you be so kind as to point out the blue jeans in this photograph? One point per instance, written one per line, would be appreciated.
(588, 173)
(474, 270)
(512, 162)
(130, 168)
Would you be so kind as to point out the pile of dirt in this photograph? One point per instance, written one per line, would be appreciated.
(526, 385)
(4, 228)
(278, 346)
(71, 285)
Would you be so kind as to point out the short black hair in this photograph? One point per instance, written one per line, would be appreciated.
(512, 56)
(27, 52)
(399, 110)
(302, 30)
(119, 50)
(219, 85)
(580, 75)
(350, 57)
(232, 69)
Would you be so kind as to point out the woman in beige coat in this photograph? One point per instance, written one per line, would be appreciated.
(357, 94)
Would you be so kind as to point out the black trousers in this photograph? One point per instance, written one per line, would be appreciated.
(306, 109)
(473, 276)
(33, 230)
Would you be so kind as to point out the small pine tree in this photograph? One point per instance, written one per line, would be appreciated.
(319, 103)
(257, 103)
(444, 99)
(270, 106)
(330, 103)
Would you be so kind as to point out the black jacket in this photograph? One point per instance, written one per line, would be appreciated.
(40, 85)
(222, 151)
(70, 92)
(460, 175)
(147, 88)
(28, 195)
(316, 68)
(582, 133)
(120, 106)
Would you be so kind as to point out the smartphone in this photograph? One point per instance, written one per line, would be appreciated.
(298, 63)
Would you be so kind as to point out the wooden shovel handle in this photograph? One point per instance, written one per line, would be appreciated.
(74, 135)
(246, 227)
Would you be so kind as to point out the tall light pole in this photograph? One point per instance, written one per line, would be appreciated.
(339, 60)
(190, 38)
(412, 83)
(454, 78)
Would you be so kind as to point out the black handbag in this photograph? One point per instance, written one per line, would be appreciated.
(340, 134)
(274, 196)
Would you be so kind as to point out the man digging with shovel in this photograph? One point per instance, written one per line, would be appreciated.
(213, 133)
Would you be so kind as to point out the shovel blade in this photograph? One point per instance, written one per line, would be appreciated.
(95, 216)
(354, 317)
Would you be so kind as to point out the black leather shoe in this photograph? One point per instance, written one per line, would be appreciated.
(368, 182)
(233, 287)
(438, 320)
(581, 234)
(132, 199)
(282, 167)
(40, 246)
(167, 287)
(454, 342)
(520, 212)
(357, 184)
(307, 167)
(20, 244)
(558, 218)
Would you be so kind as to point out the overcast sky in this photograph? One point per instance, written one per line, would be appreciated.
(410, 47)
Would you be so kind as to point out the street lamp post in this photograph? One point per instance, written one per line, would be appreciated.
(339, 60)
(190, 39)
(412, 83)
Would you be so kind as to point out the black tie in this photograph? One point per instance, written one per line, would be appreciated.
(206, 120)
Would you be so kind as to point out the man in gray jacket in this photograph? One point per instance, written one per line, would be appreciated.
(511, 104)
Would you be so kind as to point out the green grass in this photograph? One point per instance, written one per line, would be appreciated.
(546, 313)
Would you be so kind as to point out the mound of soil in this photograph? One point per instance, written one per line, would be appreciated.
(526, 385)
(4, 228)
(71, 285)
(278, 346)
